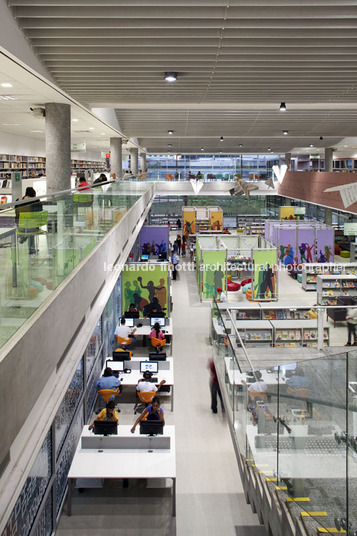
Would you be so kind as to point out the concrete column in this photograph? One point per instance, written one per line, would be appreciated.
(328, 216)
(134, 160)
(116, 157)
(58, 147)
(328, 159)
(143, 161)
(288, 160)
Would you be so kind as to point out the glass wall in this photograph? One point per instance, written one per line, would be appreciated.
(213, 167)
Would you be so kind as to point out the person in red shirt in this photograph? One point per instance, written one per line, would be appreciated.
(82, 184)
(214, 387)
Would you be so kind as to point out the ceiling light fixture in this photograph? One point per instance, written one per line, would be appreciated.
(285, 132)
(6, 84)
(311, 144)
(321, 138)
(241, 145)
(221, 138)
(8, 97)
(91, 128)
(202, 149)
(170, 132)
(75, 120)
(169, 145)
(269, 149)
(170, 77)
(282, 107)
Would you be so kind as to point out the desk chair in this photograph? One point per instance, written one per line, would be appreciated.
(157, 344)
(123, 343)
(257, 395)
(145, 399)
(106, 395)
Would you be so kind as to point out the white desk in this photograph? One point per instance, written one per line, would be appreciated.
(145, 330)
(239, 378)
(90, 463)
(133, 378)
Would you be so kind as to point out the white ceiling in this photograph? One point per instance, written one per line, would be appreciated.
(236, 61)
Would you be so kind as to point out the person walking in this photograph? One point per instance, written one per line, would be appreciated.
(214, 388)
(351, 318)
(174, 262)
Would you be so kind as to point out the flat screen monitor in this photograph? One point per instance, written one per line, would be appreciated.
(129, 322)
(144, 257)
(121, 356)
(105, 427)
(152, 366)
(151, 427)
(131, 314)
(117, 366)
(160, 314)
(157, 356)
(161, 321)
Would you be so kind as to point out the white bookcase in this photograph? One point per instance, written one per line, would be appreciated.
(310, 272)
(330, 287)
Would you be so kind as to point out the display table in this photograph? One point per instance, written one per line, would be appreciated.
(125, 455)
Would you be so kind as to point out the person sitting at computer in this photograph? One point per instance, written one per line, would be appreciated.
(259, 386)
(153, 412)
(156, 332)
(132, 309)
(107, 414)
(126, 333)
(107, 381)
(145, 385)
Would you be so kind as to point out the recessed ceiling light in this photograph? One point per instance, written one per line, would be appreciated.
(269, 149)
(321, 138)
(241, 145)
(36, 130)
(6, 84)
(311, 144)
(11, 124)
(220, 152)
(285, 132)
(170, 132)
(102, 133)
(169, 145)
(282, 107)
(75, 120)
(202, 149)
(221, 138)
(91, 128)
(8, 97)
(170, 77)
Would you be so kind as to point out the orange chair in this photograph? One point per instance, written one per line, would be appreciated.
(145, 398)
(106, 394)
(123, 343)
(118, 350)
(169, 176)
(157, 343)
(257, 395)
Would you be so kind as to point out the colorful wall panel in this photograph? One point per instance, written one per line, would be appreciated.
(306, 245)
(265, 275)
(325, 245)
(212, 272)
(189, 221)
(286, 246)
(154, 239)
(146, 285)
(216, 217)
(287, 213)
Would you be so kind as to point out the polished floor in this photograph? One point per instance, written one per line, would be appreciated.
(210, 498)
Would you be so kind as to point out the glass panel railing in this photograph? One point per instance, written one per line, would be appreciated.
(295, 423)
(42, 242)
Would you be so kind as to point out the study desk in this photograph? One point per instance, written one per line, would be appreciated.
(126, 455)
(166, 372)
(145, 330)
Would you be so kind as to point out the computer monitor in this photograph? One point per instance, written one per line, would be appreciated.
(131, 314)
(161, 321)
(152, 366)
(129, 322)
(151, 427)
(160, 314)
(144, 258)
(121, 356)
(157, 356)
(105, 427)
(118, 367)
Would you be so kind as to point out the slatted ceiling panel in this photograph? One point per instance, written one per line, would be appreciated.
(303, 52)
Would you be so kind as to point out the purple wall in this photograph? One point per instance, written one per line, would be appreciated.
(154, 237)
(325, 245)
(306, 245)
(287, 237)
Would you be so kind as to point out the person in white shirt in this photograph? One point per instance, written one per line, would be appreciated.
(222, 297)
(126, 332)
(145, 385)
(259, 386)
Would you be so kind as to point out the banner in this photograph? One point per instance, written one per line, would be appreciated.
(265, 276)
(146, 285)
(212, 272)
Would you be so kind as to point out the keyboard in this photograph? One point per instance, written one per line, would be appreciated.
(153, 380)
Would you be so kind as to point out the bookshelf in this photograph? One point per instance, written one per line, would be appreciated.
(310, 272)
(330, 287)
(297, 333)
(255, 333)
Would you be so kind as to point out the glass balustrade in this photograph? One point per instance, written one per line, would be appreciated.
(40, 244)
(293, 415)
